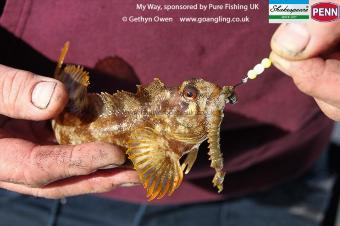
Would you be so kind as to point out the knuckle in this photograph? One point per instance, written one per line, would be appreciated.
(59, 159)
(306, 87)
(108, 153)
(308, 77)
(97, 185)
(48, 164)
(41, 169)
(79, 161)
(92, 186)
(65, 159)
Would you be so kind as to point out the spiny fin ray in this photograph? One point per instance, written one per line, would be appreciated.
(158, 168)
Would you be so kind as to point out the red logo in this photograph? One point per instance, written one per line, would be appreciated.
(325, 11)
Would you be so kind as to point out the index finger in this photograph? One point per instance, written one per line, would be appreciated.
(26, 163)
(316, 77)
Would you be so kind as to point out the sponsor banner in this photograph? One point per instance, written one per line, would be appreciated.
(281, 11)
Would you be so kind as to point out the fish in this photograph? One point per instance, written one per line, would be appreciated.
(160, 128)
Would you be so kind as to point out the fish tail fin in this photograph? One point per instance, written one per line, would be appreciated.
(76, 81)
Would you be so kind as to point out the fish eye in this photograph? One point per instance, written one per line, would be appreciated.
(190, 92)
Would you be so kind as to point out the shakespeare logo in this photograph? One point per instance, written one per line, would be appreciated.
(283, 11)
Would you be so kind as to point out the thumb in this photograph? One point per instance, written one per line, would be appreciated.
(302, 41)
(24, 95)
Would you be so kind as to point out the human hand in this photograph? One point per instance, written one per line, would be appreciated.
(29, 162)
(309, 54)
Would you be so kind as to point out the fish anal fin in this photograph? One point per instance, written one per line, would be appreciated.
(157, 165)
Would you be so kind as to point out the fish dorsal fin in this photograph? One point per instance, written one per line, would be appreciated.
(76, 80)
(78, 74)
(151, 90)
(61, 59)
(110, 104)
(121, 102)
(157, 165)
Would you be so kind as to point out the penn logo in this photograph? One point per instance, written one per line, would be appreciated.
(325, 11)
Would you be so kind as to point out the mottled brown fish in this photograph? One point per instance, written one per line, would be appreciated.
(156, 126)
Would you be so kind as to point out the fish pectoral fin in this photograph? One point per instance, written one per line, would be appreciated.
(189, 160)
(158, 167)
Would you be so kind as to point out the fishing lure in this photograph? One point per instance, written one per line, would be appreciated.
(156, 126)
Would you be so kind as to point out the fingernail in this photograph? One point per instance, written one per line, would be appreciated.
(131, 184)
(292, 38)
(111, 166)
(42, 94)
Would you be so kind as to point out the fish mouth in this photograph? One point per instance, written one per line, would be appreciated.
(230, 95)
(232, 99)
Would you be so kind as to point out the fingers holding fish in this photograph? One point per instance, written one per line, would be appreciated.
(24, 95)
(97, 182)
(31, 165)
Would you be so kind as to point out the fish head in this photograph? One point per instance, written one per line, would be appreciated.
(197, 96)
(208, 99)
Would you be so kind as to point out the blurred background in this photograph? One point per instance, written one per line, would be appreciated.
(313, 199)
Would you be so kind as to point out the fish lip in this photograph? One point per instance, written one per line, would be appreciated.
(230, 95)
(232, 99)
